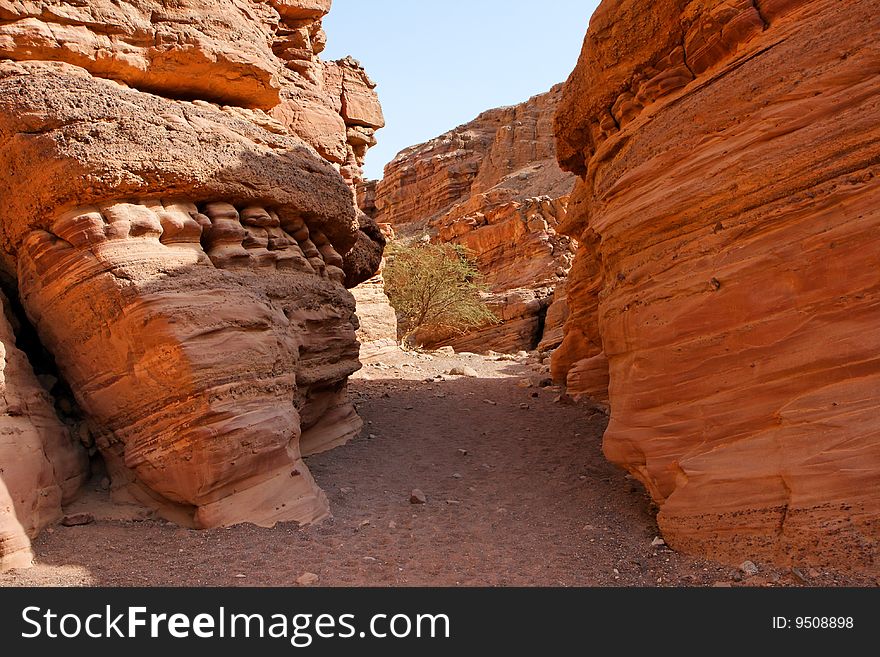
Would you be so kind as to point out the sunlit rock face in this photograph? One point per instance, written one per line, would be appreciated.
(494, 187)
(377, 319)
(725, 296)
(41, 465)
(182, 240)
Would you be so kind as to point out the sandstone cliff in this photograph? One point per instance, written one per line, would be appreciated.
(41, 466)
(377, 330)
(242, 53)
(178, 216)
(377, 320)
(725, 295)
(493, 186)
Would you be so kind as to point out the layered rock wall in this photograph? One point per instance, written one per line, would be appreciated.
(726, 286)
(41, 466)
(493, 186)
(178, 215)
(243, 53)
(377, 320)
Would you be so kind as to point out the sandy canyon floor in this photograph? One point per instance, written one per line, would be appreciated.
(518, 494)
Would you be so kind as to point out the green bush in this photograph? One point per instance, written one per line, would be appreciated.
(435, 287)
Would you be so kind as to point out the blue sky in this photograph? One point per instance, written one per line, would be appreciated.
(439, 63)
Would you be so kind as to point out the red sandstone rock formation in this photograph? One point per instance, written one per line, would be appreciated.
(728, 213)
(338, 114)
(516, 247)
(377, 320)
(242, 53)
(492, 185)
(555, 319)
(41, 467)
(182, 250)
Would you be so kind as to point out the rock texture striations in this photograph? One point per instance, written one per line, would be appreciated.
(493, 186)
(41, 466)
(726, 295)
(377, 320)
(182, 239)
(261, 54)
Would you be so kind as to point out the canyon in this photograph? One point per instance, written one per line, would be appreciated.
(678, 243)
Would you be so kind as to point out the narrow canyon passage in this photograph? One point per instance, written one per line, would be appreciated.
(682, 222)
(532, 502)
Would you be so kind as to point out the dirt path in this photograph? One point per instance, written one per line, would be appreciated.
(532, 502)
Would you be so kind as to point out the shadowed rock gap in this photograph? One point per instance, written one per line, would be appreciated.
(45, 368)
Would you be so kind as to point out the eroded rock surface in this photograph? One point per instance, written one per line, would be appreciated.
(41, 466)
(182, 241)
(493, 186)
(728, 219)
(377, 320)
